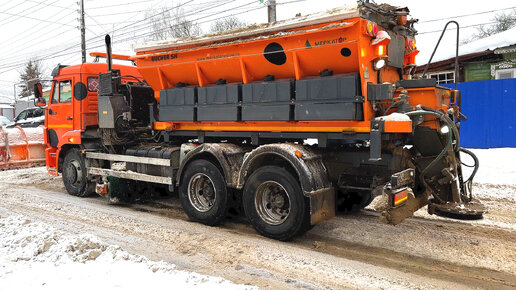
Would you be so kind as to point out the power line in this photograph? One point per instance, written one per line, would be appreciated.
(454, 28)
(117, 13)
(33, 18)
(48, 56)
(53, 55)
(29, 10)
(465, 15)
(40, 28)
(118, 5)
(57, 6)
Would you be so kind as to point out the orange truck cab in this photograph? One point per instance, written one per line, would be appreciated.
(71, 112)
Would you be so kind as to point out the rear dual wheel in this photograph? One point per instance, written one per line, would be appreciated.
(272, 199)
(274, 203)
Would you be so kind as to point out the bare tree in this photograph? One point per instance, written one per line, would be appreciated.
(227, 23)
(182, 27)
(170, 23)
(30, 75)
(501, 22)
(159, 19)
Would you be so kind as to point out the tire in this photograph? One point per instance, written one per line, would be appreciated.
(75, 175)
(203, 193)
(274, 204)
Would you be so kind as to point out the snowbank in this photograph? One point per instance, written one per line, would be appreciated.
(34, 255)
(497, 166)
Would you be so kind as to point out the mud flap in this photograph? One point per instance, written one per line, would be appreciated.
(322, 205)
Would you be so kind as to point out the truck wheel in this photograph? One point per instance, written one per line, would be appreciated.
(203, 193)
(75, 175)
(274, 203)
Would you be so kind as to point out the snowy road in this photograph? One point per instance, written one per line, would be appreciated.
(353, 251)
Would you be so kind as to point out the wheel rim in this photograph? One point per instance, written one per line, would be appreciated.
(74, 172)
(272, 202)
(201, 192)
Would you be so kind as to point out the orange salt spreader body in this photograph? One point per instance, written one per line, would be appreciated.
(339, 42)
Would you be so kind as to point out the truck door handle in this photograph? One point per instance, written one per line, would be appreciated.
(69, 118)
(50, 112)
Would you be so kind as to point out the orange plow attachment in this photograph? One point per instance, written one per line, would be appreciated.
(21, 147)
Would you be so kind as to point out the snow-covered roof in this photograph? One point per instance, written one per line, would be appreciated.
(502, 39)
(5, 106)
(332, 15)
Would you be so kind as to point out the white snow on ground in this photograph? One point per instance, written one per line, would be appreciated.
(496, 176)
(35, 255)
(497, 166)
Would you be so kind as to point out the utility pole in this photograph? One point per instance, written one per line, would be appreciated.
(83, 33)
(271, 9)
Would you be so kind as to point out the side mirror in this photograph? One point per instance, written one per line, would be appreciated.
(38, 94)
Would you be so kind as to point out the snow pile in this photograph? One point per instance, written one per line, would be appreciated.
(393, 117)
(337, 14)
(20, 136)
(30, 176)
(35, 255)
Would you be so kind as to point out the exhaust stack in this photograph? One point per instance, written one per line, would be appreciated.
(109, 57)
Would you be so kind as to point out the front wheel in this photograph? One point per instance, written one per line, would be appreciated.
(203, 193)
(75, 177)
(274, 203)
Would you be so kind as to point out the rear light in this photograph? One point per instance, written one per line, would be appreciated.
(400, 197)
(372, 28)
(411, 44)
(380, 50)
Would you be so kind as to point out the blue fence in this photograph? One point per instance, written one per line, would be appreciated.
(491, 110)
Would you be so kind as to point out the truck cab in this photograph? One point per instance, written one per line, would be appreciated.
(71, 113)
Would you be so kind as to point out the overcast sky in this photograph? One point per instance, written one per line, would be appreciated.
(47, 29)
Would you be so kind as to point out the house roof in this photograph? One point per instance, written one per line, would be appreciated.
(495, 43)
(5, 106)
(5, 100)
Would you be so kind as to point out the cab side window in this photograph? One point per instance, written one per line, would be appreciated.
(55, 93)
(65, 91)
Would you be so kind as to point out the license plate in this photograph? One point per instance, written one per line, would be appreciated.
(405, 178)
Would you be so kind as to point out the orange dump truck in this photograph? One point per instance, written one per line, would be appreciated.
(288, 123)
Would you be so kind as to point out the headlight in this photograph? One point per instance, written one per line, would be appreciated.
(379, 64)
(445, 129)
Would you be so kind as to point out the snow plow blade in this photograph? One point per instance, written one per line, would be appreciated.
(21, 147)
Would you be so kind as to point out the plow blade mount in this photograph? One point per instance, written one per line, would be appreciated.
(471, 210)
(21, 147)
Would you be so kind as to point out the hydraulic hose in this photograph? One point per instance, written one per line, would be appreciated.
(443, 152)
(450, 124)
(476, 163)
(468, 184)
